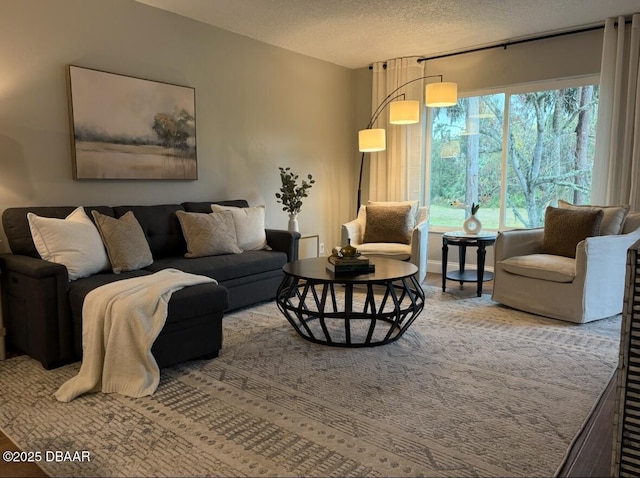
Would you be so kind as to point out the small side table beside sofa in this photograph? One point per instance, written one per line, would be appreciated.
(463, 240)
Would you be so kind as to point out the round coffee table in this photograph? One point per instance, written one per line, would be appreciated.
(322, 307)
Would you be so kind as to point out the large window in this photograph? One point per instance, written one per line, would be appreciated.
(514, 152)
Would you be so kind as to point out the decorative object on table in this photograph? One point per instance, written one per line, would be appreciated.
(349, 261)
(356, 265)
(291, 194)
(348, 251)
(113, 137)
(472, 225)
(401, 111)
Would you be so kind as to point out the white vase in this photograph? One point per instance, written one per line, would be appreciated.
(471, 225)
(293, 223)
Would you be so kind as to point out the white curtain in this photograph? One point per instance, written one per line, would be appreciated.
(616, 168)
(396, 174)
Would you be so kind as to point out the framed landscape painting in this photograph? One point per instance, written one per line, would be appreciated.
(130, 128)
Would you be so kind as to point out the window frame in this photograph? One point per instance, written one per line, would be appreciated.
(508, 91)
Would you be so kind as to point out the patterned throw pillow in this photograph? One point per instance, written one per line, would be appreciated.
(208, 234)
(388, 224)
(125, 241)
(565, 228)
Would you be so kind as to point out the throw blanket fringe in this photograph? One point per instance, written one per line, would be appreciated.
(120, 323)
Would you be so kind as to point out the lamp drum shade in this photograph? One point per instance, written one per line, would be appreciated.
(370, 140)
(441, 94)
(404, 112)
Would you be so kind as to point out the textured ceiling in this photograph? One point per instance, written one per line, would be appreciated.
(356, 33)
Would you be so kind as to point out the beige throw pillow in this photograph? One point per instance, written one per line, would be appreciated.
(73, 242)
(208, 234)
(388, 224)
(125, 241)
(612, 220)
(565, 228)
(249, 222)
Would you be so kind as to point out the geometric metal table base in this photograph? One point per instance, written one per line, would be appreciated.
(323, 310)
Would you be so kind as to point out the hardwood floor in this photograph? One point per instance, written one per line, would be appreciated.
(589, 457)
(16, 469)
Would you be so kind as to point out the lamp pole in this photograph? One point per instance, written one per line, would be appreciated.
(394, 95)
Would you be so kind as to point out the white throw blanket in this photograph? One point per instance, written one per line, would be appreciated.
(120, 323)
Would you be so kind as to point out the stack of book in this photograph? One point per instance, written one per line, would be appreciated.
(350, 265)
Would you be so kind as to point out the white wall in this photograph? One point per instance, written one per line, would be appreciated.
(560, 57)
(258, 107)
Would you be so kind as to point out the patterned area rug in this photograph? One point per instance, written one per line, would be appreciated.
(472, 389)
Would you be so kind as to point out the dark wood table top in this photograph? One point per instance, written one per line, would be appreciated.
(461, 236)
(316, 269)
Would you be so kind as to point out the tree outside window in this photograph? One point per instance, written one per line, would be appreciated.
(548, 155)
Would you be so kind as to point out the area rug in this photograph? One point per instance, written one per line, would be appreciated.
(472, 389)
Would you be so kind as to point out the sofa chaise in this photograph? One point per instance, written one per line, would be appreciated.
(42, 308)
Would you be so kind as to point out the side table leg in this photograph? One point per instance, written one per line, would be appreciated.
(463, 259)
(445, 254)
(482, 253)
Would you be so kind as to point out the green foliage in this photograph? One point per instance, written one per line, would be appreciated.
(291, 194)
(542, 157)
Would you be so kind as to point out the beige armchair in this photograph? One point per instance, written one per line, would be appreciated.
(587, 287)
(378, 235)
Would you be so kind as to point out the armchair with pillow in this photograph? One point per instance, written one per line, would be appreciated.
(573, 269)
(394, 230)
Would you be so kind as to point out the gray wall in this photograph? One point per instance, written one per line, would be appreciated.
(258, 107)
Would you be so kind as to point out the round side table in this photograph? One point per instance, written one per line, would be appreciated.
(463, 240)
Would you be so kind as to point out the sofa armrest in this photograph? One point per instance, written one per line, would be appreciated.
(284, 241)
(351, 232)
(33, 267)
(35, 308)
(604, 258)
(419, 242)
(518, 242)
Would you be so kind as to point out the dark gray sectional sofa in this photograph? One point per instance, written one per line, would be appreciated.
(42, 309)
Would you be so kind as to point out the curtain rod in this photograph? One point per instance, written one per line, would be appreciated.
(507, 44)
(514, 42)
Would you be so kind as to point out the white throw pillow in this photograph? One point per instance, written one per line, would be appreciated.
(73, 242)
(249, 222)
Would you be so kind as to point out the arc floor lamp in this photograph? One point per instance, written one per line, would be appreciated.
(401, 111)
